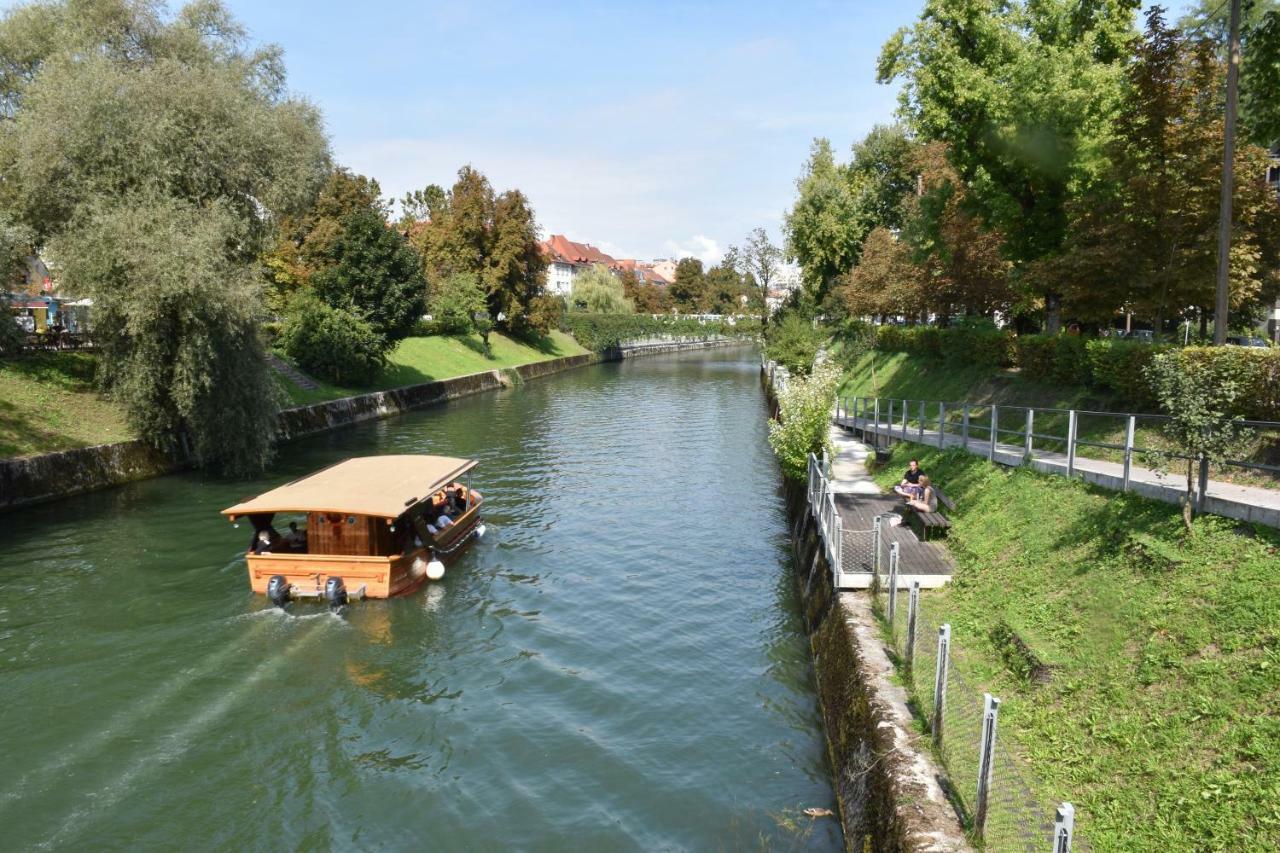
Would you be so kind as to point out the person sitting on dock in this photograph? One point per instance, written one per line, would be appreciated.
(928, 499)
(909, 487)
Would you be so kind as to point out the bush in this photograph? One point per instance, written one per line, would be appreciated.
(12, 336)
(1121, 366)
(454, 301)
(804, 413)
(1255, 372)
(600, 332)
(793, 342)
(1053, 358)
(331, 343)
(977, 344)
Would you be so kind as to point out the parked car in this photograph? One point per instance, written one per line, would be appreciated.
(1244, 341)
(1142, 336)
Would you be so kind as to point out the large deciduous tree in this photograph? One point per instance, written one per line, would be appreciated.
(154, 154)
(1024, 93)
(759, 262)
(1259, 60)
(688, 291)
(471, 229)
(827, 224)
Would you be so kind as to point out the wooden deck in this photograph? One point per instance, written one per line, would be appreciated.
(858, 513)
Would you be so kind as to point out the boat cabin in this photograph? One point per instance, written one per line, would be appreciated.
(372, 526)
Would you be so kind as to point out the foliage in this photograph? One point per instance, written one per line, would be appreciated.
(369, 270)
(793, 342)
(1145, 237)
(1198, 397)
(493, 236)
(884, 171)
(758, 262)
(454, 303)
(175, 320)
(12, 336)
(546, 313)
(804, 417)
(152, 155)
(1023, 94)
(827, 224)
(648, 298)
(1053, 358)
(687, 291)
(970, 344)
(596, 290)
(1165, 671)
(1259, 59)
(723, 286)
(334, 344)
(1121, 367)
(599, 332)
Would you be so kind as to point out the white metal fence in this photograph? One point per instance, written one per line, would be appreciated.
(822, 505)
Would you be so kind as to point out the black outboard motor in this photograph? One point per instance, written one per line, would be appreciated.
(335, 592)
(278, 590)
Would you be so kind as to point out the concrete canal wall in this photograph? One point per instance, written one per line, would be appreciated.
(31, 480)
(889, 791)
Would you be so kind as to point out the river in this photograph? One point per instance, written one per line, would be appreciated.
(617, 665)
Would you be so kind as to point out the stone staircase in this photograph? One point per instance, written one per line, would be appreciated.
(293, 374)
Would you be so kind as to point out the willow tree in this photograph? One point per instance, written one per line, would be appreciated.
(152, 154)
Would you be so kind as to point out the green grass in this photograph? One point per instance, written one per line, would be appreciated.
(47, 403)
(904, 376)
(424, 359)
(1160, 721)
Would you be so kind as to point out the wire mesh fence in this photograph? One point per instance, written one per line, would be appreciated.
(961, 721)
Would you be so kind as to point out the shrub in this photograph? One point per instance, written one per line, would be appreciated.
(454, 301)
(804, 412)
(1052, 358)
(979, 344)
(600, 332)
(1121, 366)
(793, 342)
(1255, 372)
(12, 336)
(331, 343)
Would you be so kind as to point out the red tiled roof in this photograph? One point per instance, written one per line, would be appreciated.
(562, 249)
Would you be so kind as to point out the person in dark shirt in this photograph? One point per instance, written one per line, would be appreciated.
(909, 487)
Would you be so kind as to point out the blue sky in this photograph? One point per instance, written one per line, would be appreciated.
(649, 129)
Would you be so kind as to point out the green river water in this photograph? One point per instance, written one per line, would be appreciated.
(617, 665)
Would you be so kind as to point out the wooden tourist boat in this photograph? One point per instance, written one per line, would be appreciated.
(370, 530)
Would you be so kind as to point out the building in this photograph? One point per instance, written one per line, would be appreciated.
(1273, 171)
(566, 258)
(666, 268)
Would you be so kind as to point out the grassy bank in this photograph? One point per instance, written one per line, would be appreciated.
(48, 402)
(424, 359)
(1159, 720)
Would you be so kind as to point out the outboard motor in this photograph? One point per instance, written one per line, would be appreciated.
(278, 590)
(335, 592)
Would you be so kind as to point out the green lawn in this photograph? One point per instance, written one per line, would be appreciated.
(47, 402)
(1159, 722)
(418, 360)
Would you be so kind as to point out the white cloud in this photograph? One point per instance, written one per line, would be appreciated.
(699, 246)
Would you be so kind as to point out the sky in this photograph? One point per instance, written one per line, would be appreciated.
(649, 129)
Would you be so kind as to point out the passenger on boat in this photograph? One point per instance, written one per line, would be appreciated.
(442, 521)
(296, 539)
(457, 498)
(263, 542)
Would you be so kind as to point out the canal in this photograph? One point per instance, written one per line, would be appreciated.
(617, 665)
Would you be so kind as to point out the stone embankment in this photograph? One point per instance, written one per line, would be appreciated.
(886, 781)
(30, 480)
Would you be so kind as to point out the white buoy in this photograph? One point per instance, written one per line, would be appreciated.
(419, 567)
(435, 570)
(480, 531)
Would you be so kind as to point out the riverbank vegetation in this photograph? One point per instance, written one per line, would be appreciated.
(599, 332)
(48, 401)
(1156, 720)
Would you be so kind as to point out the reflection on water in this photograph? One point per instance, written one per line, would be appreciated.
(618, 664)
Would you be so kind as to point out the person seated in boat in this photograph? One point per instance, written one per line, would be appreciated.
(457, 498)
(296, 538)
(264, 541)
(442, 521)
(909, 487)
(928, 500)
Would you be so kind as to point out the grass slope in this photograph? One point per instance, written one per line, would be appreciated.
(418, 360)
(1160, 721)
(47, 402)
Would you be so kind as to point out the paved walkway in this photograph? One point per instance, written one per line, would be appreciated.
(859, 501)
(1245, 503)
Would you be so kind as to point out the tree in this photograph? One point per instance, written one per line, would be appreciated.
(455, 302)
(596, 290)
(827, 223)
(648, 298)
(370, 270)
(495, 237)
(759, 259)
(884, 170)
(332, 343)
(1145, 237)
(153, 156)
(722, 287)
(804, 419)
(1259, 60)
(1198, 398)
(689, 288)
(1023, 93)
(886, 281)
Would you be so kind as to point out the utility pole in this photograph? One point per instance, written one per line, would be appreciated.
(1220, 307)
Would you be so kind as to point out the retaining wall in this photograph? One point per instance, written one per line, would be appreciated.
(888, 789)
(30, 480)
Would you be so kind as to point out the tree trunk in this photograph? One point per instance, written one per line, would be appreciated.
(1052, 313)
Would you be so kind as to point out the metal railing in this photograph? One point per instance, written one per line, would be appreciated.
(822, 504)
(1028, 431)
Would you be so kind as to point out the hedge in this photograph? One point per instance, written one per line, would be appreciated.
(1113, 365)
(599, 332)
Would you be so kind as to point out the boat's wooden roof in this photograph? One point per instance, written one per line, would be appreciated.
(366, 485)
